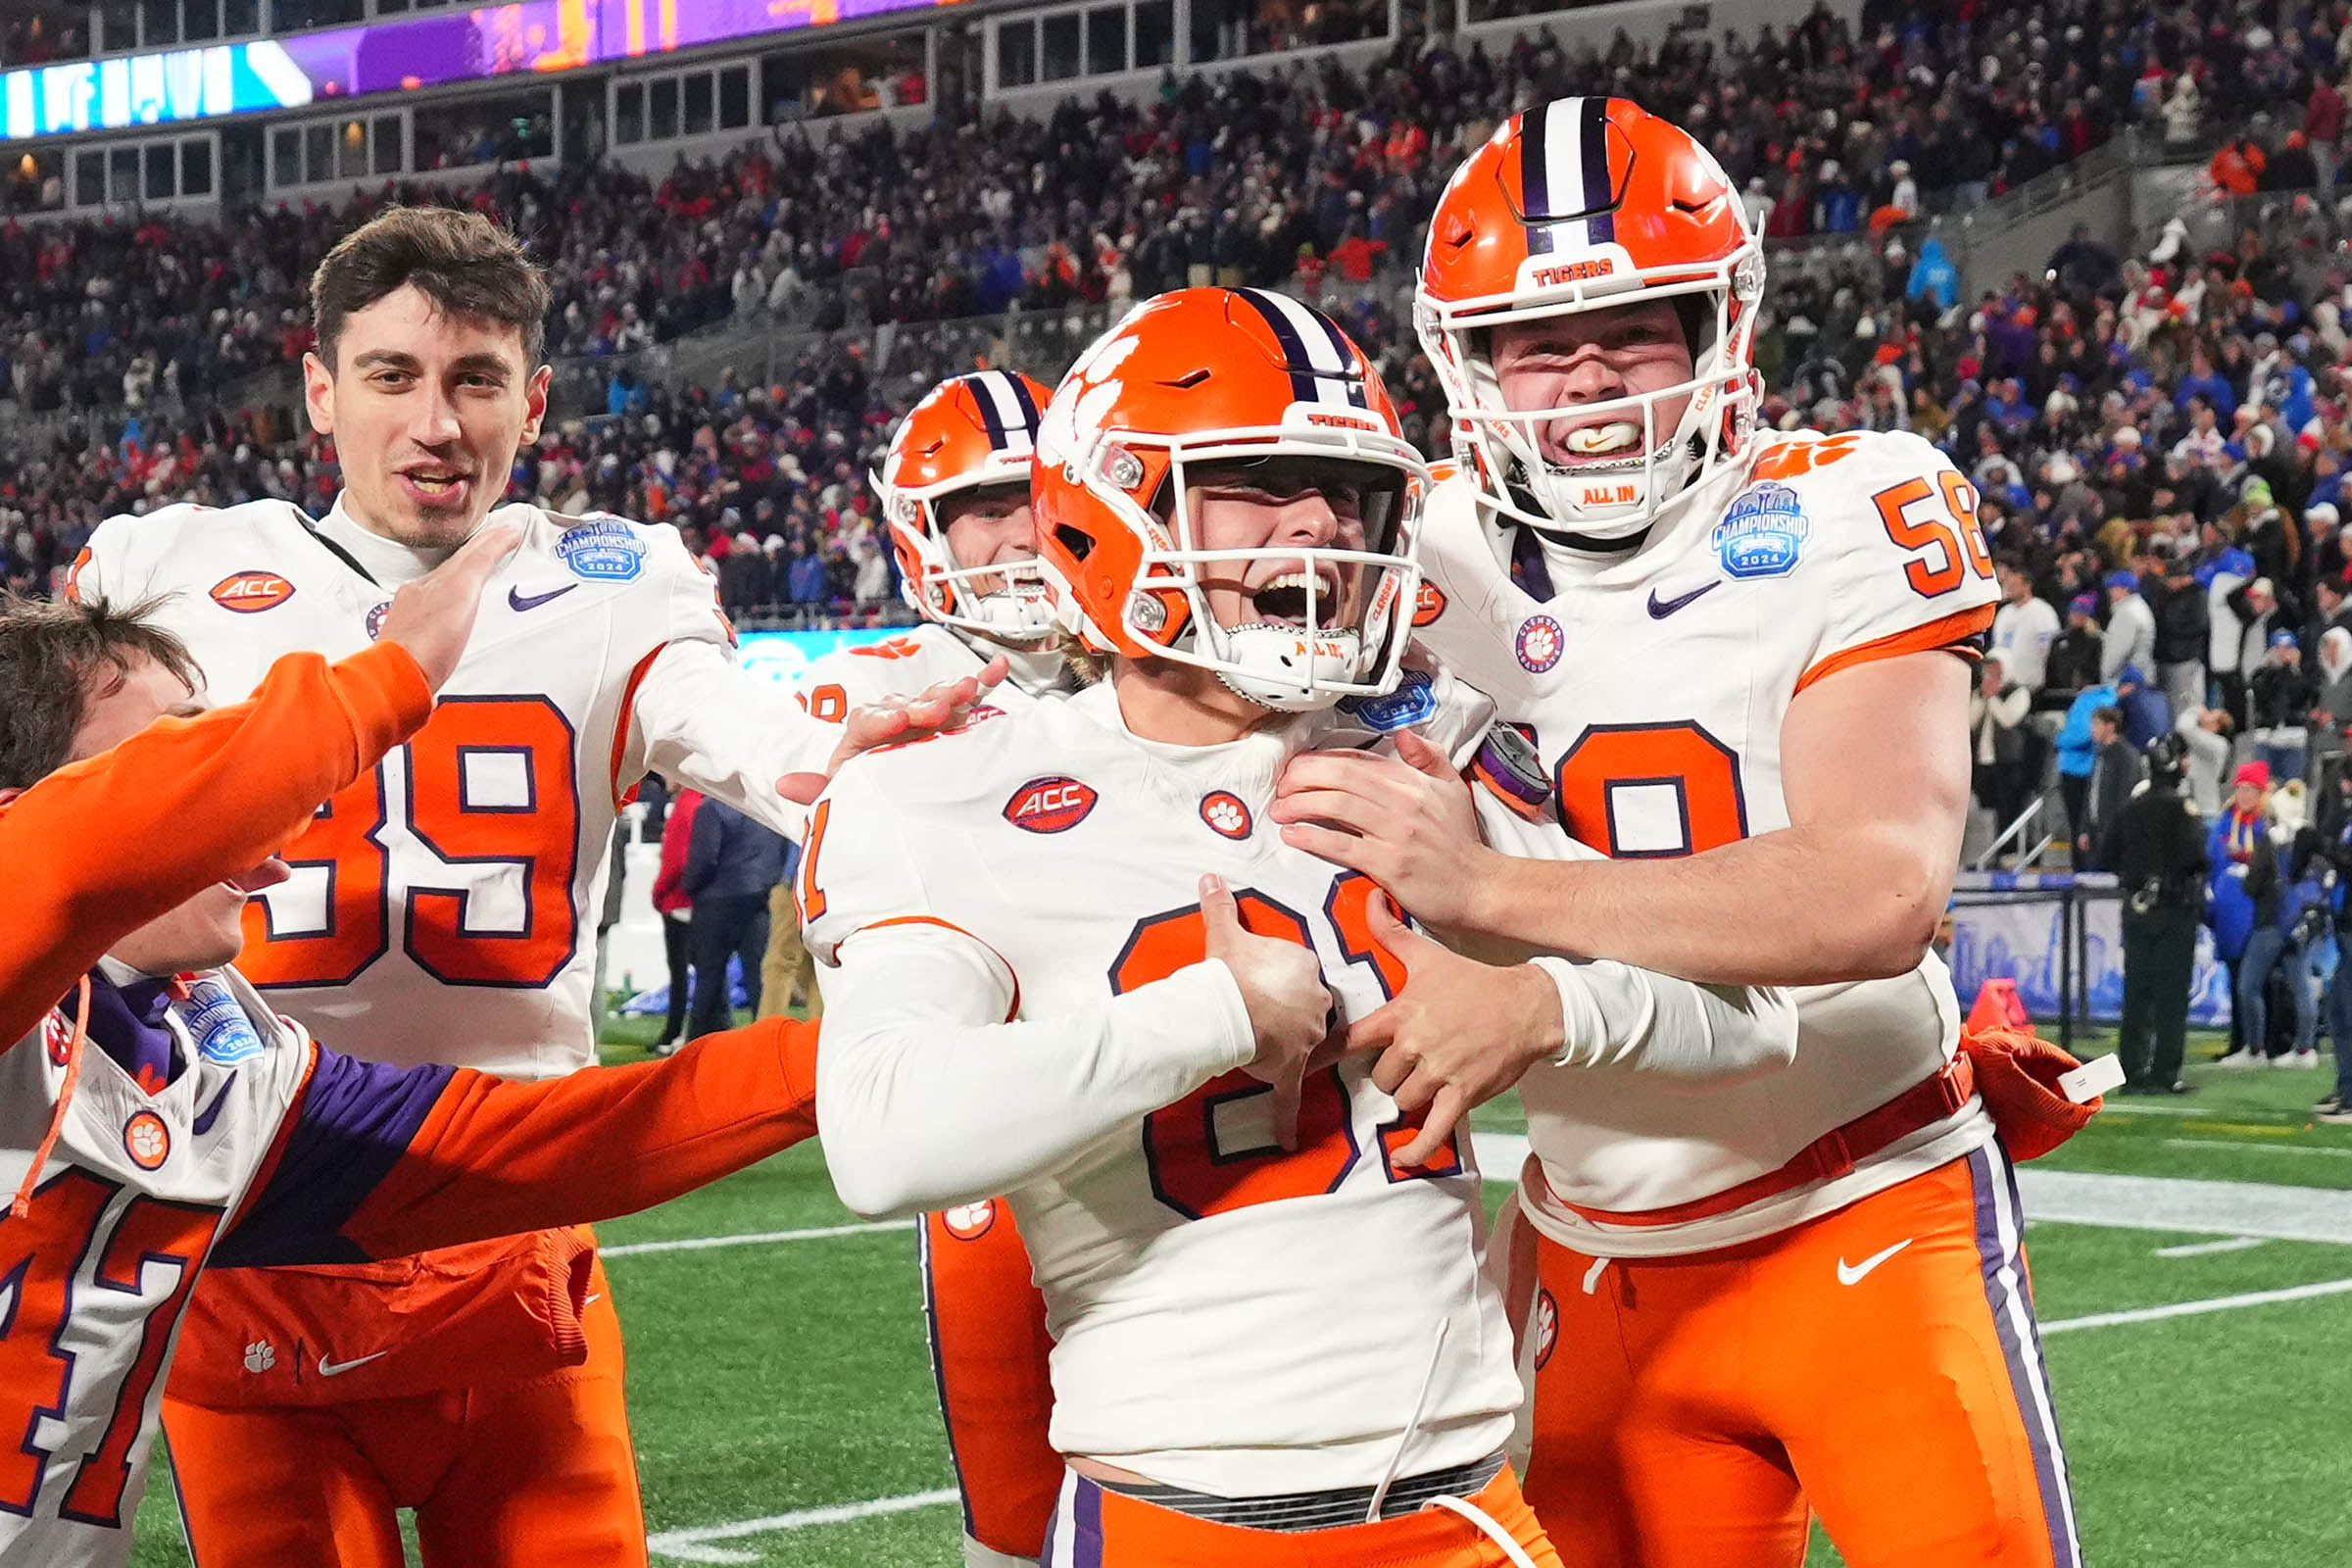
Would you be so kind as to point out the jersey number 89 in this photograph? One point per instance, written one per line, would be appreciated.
(489, 797)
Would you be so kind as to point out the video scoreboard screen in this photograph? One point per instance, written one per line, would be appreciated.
(399, 54)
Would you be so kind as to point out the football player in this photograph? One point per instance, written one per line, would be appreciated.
(162, 1119)
(441, 908)
(1272, 1342)
(954, 494)
(1743, 658)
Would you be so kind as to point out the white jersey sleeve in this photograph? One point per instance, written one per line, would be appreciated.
(932, 1089)
(698, 717)
(1895, 556)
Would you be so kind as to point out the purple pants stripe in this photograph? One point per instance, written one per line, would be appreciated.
(1078, 1517)
(1997, 1238)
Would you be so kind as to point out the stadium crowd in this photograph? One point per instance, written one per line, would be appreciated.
(2180, 419)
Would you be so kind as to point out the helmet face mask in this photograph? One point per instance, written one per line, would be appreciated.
(971, 435)
(1004, 601)
(1200, 421)
(1577, 208)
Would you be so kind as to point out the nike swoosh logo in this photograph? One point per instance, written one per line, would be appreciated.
(1851, 1273)
(517, 601)
(1660, 608)
(597, 1296)
(335, 1369)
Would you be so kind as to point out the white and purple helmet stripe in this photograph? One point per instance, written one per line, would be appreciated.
(1006, 409)
(1321, 360)
(1564, 175)
(1999, 1232)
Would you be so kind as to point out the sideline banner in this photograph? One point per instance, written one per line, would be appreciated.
(2009, 926)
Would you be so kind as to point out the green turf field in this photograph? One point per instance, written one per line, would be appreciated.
(784, 1415)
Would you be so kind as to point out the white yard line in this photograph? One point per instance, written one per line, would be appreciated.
(2233, 1244)
(689, 1546)
(2217, 1304)
(698, 1244)
(694, 1546)
(2244, 1146)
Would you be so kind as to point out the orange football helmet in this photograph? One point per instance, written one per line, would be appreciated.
(1220, 377)
(971, 432)
(1582, 205)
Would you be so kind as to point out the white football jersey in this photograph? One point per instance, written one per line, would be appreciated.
(1226, 1317)
(442, 909)
(908, 662)
(1655, 686)
(130, 1201)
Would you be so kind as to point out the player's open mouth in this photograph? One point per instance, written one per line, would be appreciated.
(435, 486)
(1282, 599)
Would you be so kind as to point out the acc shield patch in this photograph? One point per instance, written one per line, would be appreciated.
(1429, 602)
(1763, 533)
(1052, 805)
(602, 549)
(248, 593)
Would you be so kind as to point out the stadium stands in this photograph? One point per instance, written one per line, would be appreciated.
(811, 263)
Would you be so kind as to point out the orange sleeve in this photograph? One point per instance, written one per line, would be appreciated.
(495, 1159)
(100, 848)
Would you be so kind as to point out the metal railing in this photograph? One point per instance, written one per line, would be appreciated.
(2041, 806)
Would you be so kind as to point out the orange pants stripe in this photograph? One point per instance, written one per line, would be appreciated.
(1095, 1528)
(988, 1350)
(511, 1475)
(1881, 1364)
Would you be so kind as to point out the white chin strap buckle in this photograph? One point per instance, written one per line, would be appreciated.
(1013, 613)
(1289, 669)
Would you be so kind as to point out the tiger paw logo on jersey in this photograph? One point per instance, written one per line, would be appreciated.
(147, 1141)
(601, 548)
(1054, 804)
(57, 1036)
(1547, 1327)
(1429, 602)
(260, 1356)
(248, 593)
(1763, 533)
(968, 1222)
(1539, 642)
(1226, 813)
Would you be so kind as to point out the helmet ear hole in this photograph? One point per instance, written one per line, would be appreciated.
(1079, 543)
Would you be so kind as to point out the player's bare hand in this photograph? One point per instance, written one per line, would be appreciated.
(1281, 986)
(1457, 1035)
(1405, 822)
(933, 711)
(433, 617)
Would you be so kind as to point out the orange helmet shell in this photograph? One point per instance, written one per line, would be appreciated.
(970, 432)
(1577, 205)
(1197, 375)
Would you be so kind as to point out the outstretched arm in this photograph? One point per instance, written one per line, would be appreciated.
(377, 1162)
(99, 848)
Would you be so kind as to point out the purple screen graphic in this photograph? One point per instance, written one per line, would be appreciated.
(545, 36)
